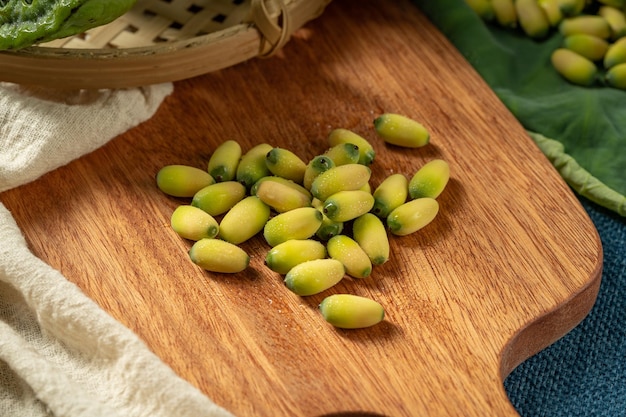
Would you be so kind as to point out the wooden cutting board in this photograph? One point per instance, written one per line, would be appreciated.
(510, 265)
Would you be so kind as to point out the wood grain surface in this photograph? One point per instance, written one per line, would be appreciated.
(510, 265)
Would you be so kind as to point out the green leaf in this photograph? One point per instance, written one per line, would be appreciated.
(589, 122)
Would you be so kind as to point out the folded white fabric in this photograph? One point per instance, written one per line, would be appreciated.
(42, 129)
(60, 354)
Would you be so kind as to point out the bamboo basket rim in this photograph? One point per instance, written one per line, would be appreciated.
(262, 28)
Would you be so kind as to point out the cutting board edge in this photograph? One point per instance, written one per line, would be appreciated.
(554, 324)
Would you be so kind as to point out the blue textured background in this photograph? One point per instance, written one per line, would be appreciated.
(584, 373)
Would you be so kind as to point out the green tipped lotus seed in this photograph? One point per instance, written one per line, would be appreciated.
(193, 223)
(219, 256)
(284, 256)
(313, 277)
(349, 311)
(182, 180)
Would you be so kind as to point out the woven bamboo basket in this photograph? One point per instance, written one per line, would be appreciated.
(161, 40)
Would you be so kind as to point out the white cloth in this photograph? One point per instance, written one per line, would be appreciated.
(60, 354)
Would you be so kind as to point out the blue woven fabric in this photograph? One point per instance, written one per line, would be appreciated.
(584, 373)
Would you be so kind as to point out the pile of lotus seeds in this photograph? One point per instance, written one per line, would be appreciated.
(593, 51)
(321, 219)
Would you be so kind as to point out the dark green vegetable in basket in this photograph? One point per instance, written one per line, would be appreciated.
(27, 22)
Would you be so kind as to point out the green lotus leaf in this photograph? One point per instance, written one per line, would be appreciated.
(588, 123)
